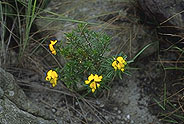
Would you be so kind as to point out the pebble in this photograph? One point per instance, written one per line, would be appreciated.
(102, 105)
(113, 117)
(132, 122)
(106, 117)
(128, 117)
(119, 116)
(114, 94)
(97, 102)
(117, 122)
(76, 103)
(57, 113)
(119, 111)
(53, 110)
(41, 122)
(11, 93)
(126, 101)
(90, 119)
(115, 108)
(122, 122)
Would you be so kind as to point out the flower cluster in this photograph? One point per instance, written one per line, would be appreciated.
(51, 46)
(93, 82)
(52, 76)
(119, 63)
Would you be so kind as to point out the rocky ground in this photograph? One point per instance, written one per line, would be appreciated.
(129, 101)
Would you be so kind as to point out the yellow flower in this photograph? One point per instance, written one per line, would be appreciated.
(115, 65)
(97, 78)
(52, 76)
(51, 46)
(120, 66)
(53, 42)
(52, 49)
(93, 81)
(90, 78)
(53, 81)
(119, 63)
(121, 60)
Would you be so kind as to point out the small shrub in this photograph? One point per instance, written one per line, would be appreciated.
(87, 67)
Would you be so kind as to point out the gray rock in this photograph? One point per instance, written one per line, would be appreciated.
(15, 107)
(168, 14)
(163, 10)
(128, 36)
(11, 114)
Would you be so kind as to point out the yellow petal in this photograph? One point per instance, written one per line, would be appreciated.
(114, 64)
(120, 66)
(120, 60)
(54, 52)
(91, 77)
(100, 77)
(51, 47)
(49, 75)
(98, 85)
(97, 79)
(54, 74)
(47, 78)
(93, 90)
(53, 82)
(115, 68)
(122, 69)
(93, 85)
(87, 82)
(53, 42)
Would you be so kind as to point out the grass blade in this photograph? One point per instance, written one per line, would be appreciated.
(142, 50)
(161, 106)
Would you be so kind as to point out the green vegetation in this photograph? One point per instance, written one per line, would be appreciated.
(87, 66)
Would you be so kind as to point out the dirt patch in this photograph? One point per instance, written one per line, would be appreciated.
(124, 103)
